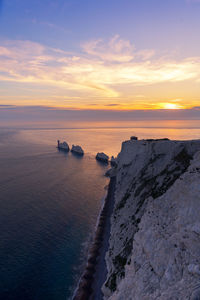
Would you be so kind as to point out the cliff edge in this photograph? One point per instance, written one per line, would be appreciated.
(155, 226)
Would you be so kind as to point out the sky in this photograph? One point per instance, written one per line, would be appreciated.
(100, 54)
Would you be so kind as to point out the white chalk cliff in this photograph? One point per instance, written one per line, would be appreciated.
(63, 146)
(102, 157)
(154, 246)
(77, 149)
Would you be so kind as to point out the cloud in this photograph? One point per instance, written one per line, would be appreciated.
(145, 54)
(116, 49)
(101, 70)
(6, 106)
(112, 104)
(39, 116)
(28, 62)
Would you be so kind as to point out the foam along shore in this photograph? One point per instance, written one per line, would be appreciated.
(102, 157)
(95, 271)
(77, 150)
(63, 146)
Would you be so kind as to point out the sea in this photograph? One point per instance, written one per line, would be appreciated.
(50, 200)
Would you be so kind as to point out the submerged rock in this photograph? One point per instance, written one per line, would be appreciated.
(77, 149)
(102, 157)
(133, 138)
(63, 146)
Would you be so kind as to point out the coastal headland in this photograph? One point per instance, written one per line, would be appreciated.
(148, 234)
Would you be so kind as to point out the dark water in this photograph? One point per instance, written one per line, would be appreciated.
(49, 202)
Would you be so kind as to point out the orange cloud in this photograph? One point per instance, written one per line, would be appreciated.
(103, 70)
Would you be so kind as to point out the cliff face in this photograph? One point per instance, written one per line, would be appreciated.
(155, 232)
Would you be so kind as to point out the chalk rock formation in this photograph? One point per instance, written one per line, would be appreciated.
(155, 227)
(102, 157)
(111, 172)
(77, 150)
(113, 161)
(133, 138)
(63, 146)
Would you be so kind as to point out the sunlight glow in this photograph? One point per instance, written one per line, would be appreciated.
(171, 106)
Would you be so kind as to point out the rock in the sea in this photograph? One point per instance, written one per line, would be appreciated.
(63, 146)
(102, 157)
(155, 229)
(133, 138)
(77, 150)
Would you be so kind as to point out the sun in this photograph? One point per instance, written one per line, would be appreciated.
(171, 106)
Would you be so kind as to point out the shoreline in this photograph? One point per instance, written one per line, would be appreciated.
(95, 272)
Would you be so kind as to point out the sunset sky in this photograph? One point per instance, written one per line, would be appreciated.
(100, 54)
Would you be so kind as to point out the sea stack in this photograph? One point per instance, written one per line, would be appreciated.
(113, 161)
(102, 157)
(133, 138)
(77, 150)
(63, 146)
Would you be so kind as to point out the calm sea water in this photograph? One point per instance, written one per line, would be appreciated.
(49, 202)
